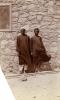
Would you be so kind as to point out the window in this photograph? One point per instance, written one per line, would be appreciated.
(5, 17)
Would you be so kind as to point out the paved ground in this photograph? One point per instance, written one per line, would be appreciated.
(37, 86)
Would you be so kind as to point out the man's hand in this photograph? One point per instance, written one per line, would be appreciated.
(31, 53)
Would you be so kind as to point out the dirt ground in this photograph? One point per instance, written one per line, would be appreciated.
(37, 86)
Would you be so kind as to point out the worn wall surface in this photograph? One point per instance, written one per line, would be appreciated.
(29, 14)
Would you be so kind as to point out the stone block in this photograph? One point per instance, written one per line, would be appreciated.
(16, 59)
(7, 51)
(12, 44)
(8, 35)
(22, 20)
(4, 43)
(15, 14)
(14, 7)
(26, 27)
(39, 17)
(24, 15)
(31, 17)
(31, 6)
(28, 0)
(14, 19)
(1, 35)
(54, 49)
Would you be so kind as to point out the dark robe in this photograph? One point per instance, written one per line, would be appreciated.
(38, 51)
(23, 49)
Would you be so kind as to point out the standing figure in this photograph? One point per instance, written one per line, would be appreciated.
(23, 50)
(38, 51)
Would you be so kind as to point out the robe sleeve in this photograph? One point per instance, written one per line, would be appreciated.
(42, 46)
(17, 44)
(31, 45)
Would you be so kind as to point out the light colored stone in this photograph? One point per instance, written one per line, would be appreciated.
(11, 42)
(39, 17)
(22, 20)
(26, 27)
(24, 15)
(50, 10)
(31, 17)
(28, 0)
(14, 7)
(31, 6)
(14, 19)
(15, 14)
(57, 2)
(4, 43)
(1, 35)
(8, 35)
(16, 59)
(54, 49)
(48, 18)
(57, 10)
(56, 16)
(24, 7)
(51, 3)
(7, 51)
(29, 14)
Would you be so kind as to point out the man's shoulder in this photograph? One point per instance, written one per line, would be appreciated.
(19, 35)
(33, 37)
(40, 37)
(36, 37)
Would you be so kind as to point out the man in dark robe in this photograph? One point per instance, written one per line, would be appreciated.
(23, 50)
(38, 51)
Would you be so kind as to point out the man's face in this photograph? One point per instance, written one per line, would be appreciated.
(36, 32)
(23, 31)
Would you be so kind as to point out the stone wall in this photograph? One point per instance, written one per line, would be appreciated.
(29, 14)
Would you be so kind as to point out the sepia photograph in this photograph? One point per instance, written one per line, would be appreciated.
(30, 49)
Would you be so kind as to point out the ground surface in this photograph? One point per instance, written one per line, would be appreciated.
(37, 86)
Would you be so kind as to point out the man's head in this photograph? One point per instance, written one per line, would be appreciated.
(23, 31)
(36, 31)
